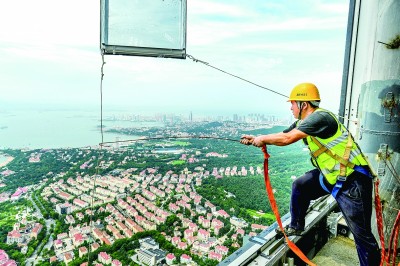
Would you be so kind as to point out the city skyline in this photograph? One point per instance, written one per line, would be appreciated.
(58, 129)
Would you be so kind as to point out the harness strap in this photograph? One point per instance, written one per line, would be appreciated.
(319, 151)
(341, 179)
(337, 187)
(346, 155)
(363, 170)
(274, 208)
(321, 182)
(323, 149)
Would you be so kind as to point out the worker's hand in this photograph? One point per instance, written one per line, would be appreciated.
(258, 141)
(247, 139)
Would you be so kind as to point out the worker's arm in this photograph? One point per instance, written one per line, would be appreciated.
(278, 139)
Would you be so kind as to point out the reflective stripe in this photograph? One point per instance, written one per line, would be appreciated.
(327, 172)
(337, 141)
(353, 153)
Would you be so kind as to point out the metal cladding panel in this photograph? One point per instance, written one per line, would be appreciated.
(374, 91)
(379, 115)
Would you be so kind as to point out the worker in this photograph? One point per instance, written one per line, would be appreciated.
(340, 169)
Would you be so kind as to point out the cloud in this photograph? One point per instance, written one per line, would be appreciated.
(217, 9)
(48, 22)
(333, 8)
(54, 44)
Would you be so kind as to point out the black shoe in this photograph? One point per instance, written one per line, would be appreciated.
(289, 231)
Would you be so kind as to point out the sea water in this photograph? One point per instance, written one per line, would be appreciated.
(59, 129)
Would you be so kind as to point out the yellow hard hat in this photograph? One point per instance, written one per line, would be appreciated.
(304, 92)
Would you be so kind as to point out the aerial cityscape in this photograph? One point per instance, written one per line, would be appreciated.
(139, 202)
(143, 133)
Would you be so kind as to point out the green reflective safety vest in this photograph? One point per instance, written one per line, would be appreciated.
(328, 154)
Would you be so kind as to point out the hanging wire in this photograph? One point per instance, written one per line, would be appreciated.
(248, 81)
(223, 71)
(101, 96)
(100, 153)
(104, 144)
(393, 171)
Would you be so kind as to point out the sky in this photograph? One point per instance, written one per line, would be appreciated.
(50, 57)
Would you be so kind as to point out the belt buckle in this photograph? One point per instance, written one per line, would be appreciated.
(341, 178)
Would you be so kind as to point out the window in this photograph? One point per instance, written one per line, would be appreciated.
(144, 28)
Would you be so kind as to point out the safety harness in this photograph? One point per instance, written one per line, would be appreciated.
(344, 163)
(341, 179)
(351, 157)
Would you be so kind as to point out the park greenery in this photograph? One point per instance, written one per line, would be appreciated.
(8, 213)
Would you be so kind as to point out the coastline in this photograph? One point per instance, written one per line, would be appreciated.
(6, 161)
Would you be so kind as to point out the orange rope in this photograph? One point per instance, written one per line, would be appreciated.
(394, 240)
(274, 207)
(379, 221)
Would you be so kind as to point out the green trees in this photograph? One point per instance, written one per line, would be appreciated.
(171, 222)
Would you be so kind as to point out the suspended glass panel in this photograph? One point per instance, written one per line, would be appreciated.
(144, 27)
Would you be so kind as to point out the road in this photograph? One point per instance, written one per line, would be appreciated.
(33, 260)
